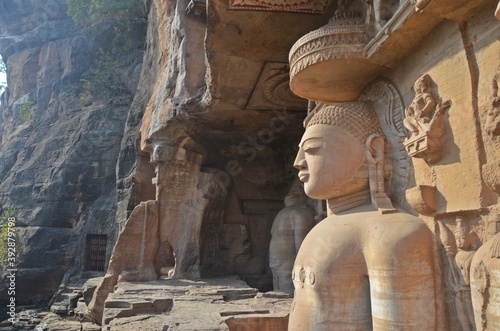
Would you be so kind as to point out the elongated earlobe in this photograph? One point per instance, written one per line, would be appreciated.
(375, 156)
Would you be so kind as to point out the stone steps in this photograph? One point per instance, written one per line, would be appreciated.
(117, 308)
(225, 303)
(66, 300)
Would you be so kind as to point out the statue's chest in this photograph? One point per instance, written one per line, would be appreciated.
(330, 251)
(420, 101)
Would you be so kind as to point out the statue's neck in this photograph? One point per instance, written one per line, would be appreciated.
(349, 201)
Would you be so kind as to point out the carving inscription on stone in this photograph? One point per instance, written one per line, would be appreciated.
(305, 6)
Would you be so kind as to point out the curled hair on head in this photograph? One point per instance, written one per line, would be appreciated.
(358, 118)
(423, 83)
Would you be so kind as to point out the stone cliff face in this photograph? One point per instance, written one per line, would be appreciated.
(213, 147)
(79, 166)
(58, 167)
(227, 100)
(192, 155)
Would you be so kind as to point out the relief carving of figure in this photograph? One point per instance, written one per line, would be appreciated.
(424, 120)
(289, 229)
(367, 266)
(493, 118)
(460, 251)
(418, 115)
(485, 283)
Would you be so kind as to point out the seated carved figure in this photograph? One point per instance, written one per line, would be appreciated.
(418, 114)
(424, 119)
(366, 266)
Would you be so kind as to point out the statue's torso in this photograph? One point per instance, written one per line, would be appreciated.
(363, 271)
(282, 249)
(419, 103)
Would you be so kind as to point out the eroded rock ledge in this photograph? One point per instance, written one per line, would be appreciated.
(211, 304)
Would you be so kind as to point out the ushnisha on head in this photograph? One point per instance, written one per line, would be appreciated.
(342, 152)
(356, 118)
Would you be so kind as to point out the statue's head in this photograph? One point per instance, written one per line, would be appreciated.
(423, 84)
(333, 152)
(462, 234)
(464, 237)
(296, 194)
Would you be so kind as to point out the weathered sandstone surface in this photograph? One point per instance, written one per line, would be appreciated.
(58, 170)
(185, 171)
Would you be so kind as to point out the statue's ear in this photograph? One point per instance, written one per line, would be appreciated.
(375, 157)
(375, 145)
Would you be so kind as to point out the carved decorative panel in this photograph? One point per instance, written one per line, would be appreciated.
(272, 90)
(302, 6)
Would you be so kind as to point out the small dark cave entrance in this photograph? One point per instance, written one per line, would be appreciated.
(95, 252)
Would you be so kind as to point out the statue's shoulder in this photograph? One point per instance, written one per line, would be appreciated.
(404, 219)
(402, 226)
(296, 210)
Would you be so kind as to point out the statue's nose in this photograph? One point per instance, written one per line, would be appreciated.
(300, 161)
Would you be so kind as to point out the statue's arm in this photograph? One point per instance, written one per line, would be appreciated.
(430, 105)
(409, 111)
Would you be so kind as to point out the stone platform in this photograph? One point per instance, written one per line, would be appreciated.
(225, 303)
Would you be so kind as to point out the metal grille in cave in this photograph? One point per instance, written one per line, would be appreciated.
(95, 252)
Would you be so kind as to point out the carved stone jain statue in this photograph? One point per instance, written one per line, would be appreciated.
(289, 229)
(366, 266)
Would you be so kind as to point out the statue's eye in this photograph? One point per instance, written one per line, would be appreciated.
(312, 147)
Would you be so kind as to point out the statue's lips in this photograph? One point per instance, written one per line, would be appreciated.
(303, 176)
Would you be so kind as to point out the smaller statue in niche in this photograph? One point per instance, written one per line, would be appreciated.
(460, 252)
(289, 229)
(424, 119)
(493, 118)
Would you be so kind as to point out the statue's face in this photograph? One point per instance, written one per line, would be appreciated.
(461, 236)
(329, 160)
